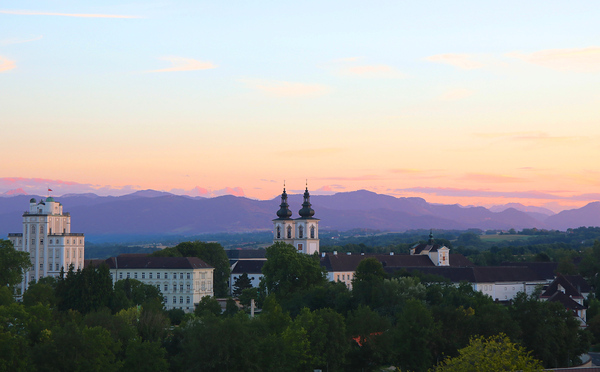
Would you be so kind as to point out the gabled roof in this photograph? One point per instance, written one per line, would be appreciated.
(544, 270)
(150, 262)
(567, 301)
(579, 283)
(567, 287)
(248, 267)
(419, 248)
(345, 262)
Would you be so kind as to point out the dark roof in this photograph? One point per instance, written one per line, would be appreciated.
(579, 283)
(567, 301)
(238, 254)
(248, 267)
(93, 262)
(427, 247)
(150, 262)
(345, 262)
(477, 274)
(568, 288)
(544, 270)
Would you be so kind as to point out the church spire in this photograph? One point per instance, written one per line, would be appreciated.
(430, 242)
(284, 208)
(306, 211)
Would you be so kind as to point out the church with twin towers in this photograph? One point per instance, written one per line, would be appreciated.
(302, 232)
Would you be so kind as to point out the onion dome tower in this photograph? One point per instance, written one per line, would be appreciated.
(307, 228)
(283, 226)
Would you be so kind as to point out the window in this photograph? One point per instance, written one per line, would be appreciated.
(174, 275)
(33, 241)
(42, 266)
(174, 287)
(343, 277)
(67, 241)
(41, 241)
(166, 276)
(188, 287)
(338, 277)
(33, 229)
(312, 232)
(165, 299)
(56, 267)
(300, 232)
(135, 275)
(278, 232)
(187, 300)
(180, 275)
(80, 251)
(166, 288)
(203, 275)
(143, 275)
(157, 275)
(149, 275)
(289, 232)
(128, 275)
(174, 299)
(41, 229)
(188, 276)
(79, 241)
(180, 299)
(120, 275)
(181, 287)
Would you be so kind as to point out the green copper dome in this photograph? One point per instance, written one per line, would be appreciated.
(32, 200)
(284, 208)
(306, 211)
(49, 199)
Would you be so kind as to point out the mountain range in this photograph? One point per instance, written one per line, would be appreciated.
(150, 212)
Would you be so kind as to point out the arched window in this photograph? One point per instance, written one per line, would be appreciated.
(301, 232)
(312, 232)
(289, 232)
(278, 232)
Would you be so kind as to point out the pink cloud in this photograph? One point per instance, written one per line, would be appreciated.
(6, 64)
(491, 178)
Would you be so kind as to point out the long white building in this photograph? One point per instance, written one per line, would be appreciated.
(48, 238)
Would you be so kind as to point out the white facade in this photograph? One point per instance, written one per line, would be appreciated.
(182, 288)
(303, 232)
(48, 239)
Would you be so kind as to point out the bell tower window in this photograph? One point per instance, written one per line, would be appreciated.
(312, 232)
(278, 232)
(301, 232)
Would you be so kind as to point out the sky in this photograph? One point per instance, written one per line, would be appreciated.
(468, 102)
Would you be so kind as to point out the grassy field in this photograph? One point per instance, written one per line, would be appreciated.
(502, 238)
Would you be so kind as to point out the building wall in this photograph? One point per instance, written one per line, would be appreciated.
(47, 236)
(181, 288)
(341, 276)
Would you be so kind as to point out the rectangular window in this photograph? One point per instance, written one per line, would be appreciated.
(174, 287)
(188, 276)
(149, 275)
(174, 275)
(134, 275)
(128, 276)
(41, 266)
(180, 275)
(343, 277)
(181, 287)
(174, 299)
(120, 275)
(143, 275)
(188, 287)
(80, 251)
(56, 267)
(203, 275)
(41, 241)
(166, 288)
(187, 300)
(157, 275)
(180, 299)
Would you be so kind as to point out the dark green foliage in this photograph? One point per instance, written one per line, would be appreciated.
(13, 264)
(85, 290)
(230, 307)
(207, 306)
(145, 356)
(42, 292)
(211, 253)
(287, 272)
(176, 316)
(241, 283)
(132, 292)
(367, 284)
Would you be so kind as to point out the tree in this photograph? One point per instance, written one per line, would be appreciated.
(13, 264)
(496, 353)
(207, 305)
(145, 356)
(368, 282)
(241, 283)
(85, 290)
(211, 253)
(131, 292)
(287, 271)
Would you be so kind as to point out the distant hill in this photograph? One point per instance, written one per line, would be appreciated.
(151, 212)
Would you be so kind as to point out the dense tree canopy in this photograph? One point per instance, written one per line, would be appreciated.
(13, 264)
